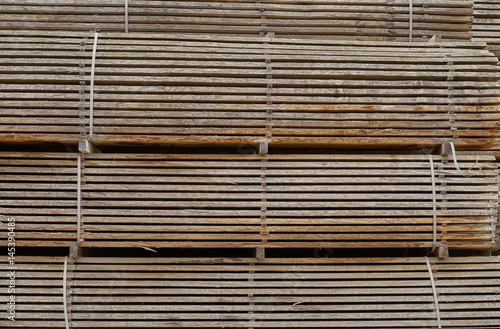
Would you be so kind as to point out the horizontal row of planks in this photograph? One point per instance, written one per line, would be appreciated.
(250, 200)
(382, 20)
(178, 89)
(235, 73)
(373, 20)
(250, 293)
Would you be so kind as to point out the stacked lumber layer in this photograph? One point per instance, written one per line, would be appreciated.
(252, 293)
(177, 89)
(38, 291)
(287, 201)
(363, 19)
(39, 191)
(43, 88)
(171, 89)
(486, 26)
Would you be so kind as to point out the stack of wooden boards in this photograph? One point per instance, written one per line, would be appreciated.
(395, 20)
(251, 293)
(278, 73)
(171, 89)
(40, 192)
(250, 201)
(486, 25)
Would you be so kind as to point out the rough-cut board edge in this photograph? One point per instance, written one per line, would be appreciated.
(373, 143)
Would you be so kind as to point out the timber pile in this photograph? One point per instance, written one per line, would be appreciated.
(40, 191)
(317, 73)
(250, 201)
(486, 26)
(362, 20)
(43, 88)
(172, 89)
(252, 293)
(291, 201)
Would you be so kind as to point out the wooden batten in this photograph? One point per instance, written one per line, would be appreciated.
(251, 200)
(248, 292)
(360, 20)
(190, 90)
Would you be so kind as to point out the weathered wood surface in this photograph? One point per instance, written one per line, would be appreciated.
(486, 26)
(250, 201)
(253, 293)
(360, 20)
(174, 89)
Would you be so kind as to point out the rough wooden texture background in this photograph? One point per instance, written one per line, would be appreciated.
(174, 89)
(252, 293)
(250, 201)
(361, 20)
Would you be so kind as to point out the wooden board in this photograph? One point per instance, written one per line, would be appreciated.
(252, 293)
(250, 201)
(360, 20)
(178, 89)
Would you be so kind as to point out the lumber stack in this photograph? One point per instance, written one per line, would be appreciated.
(358, 79)
(486, 26)
(39, 190)
(291, 201)
(252, 293)
(334, 93)
(363, 20)
(172, 89)
(250, 201)
(43, 88)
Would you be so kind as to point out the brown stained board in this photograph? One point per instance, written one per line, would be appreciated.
(361, 20)
(250, 201)
(486, 25)
(252, 293)
(178, 89)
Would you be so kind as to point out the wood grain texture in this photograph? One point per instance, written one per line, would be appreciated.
(360, 20)
(179, 89)
(250, 201)
(252, 293)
